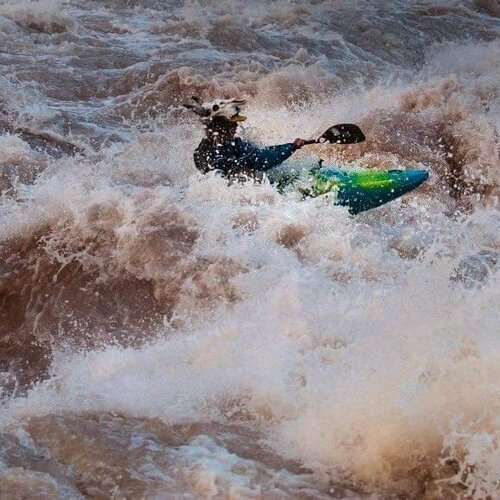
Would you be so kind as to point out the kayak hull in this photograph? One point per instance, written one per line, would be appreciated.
(362, 190)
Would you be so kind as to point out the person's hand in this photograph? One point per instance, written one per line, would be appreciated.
(299, 143)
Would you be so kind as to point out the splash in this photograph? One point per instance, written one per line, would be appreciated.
(40, 16)
(163, 333)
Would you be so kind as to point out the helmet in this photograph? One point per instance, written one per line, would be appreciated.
(218, 110)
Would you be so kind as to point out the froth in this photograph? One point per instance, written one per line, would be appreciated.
(44, 16)
(323, 381)
(215, 340)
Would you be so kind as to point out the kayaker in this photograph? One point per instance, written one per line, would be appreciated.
(227, 154)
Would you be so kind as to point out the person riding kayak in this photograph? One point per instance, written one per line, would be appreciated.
(222, 151)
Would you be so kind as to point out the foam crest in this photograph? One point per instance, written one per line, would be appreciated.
(297, 367)
(43, 16)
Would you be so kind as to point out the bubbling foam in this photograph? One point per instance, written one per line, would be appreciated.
(42, 16)
(207, 340)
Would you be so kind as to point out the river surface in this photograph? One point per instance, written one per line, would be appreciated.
(166, 336)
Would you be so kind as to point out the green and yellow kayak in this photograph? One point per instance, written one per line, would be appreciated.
(359, 190)
(362, 190)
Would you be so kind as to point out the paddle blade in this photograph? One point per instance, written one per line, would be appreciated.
(343, 133)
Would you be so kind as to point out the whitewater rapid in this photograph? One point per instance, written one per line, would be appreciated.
(164, 335)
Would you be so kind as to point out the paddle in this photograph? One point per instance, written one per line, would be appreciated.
(342, 133)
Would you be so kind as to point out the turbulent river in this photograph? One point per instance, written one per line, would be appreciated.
(164, 335)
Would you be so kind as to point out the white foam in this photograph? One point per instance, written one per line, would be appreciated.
(345, 342)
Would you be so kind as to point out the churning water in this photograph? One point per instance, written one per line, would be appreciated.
(163, 335)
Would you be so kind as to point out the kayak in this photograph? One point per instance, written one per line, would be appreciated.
(362, 190)
(359, 190)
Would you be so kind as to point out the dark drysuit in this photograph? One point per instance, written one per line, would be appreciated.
(236, 158)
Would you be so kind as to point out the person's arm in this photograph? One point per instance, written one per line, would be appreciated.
(244, 156)
(263, 159)
(267, 158)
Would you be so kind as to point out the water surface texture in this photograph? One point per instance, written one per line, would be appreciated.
(165, 336)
